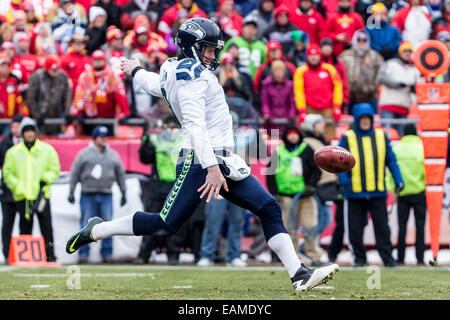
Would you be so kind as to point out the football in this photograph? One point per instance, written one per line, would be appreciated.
(334, 159)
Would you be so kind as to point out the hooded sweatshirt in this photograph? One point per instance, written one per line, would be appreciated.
(367, 169)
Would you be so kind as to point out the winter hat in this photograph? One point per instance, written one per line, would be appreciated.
(28, 124)
(8, 45)
(226, 58)
(100, 131)
(379, 8)
(223, 1)
(310, 121)
(299, 35)
(250, 19)
(326, 42)
(405, 45)
(95, 11)
(281, 9)
(17, 118)
(113, 33)
(51, 62)
(313, 49)
(410, 129)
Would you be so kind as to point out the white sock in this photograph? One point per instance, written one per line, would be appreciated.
(281, 244)
(122, 226)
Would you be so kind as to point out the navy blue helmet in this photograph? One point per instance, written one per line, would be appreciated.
(197, 33)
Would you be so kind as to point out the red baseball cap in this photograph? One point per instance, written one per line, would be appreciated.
(52, 62)
(113, 33)
(273, 44)
(98, 54)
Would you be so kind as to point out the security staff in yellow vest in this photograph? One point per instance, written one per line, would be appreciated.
(292, 170)
(364, 186)
(161, 152)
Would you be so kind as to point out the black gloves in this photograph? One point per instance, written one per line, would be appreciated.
(123, 201)
(399, 187)
(41, 184)
(309, 191)
(71, 198)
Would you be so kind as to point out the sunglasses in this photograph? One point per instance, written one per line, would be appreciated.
(362, 40)
(78, 42)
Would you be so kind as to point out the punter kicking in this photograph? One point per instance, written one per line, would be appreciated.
(206, 166)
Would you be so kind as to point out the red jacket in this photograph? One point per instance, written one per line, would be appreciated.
(346, 23)
(312, 23)
(400, 17)
(171, 15)
(73, 65)
(318, 87)
(30, 63)
(10, 98)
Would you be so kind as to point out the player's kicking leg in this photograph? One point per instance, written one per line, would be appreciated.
(179, 206)
(251, 195)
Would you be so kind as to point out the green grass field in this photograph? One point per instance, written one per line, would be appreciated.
(123, 282)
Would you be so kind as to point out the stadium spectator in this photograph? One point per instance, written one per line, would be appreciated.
(264, 15)
(30, 62)
(8, 205)
(20, 21)
(76, 60)
(97, 167)
(233, 83)
(244, 70)
(341, 26)
(398, 77)
(363, 65)
(280, 30)
(7, 32)
(308, 19)
(414, 22)
(384, 38)
(32, 155)
(10, 98)
(328, 56)
(293, 173)
(244, 7)
(318, 89)
(170, 16)
(332, 6)
(30, 13)
(252, 52)
(215, 214)
(115, 49)
(49, 95)
(16, 68)
(393, 6)
(410, 158)
(98, 92)
(160, 152)
(297, 52)
(113, 11)
(327, 189)
(442, 23)
(146, 41)
(230, 21)
(69, 21)
(364, 186)
(274, 52)
(277, 100)
(135, 8)
(96, 31)
(42, 42)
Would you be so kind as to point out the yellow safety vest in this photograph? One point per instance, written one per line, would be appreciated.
(370, 154)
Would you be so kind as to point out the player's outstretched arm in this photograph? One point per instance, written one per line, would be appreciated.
(149, 81)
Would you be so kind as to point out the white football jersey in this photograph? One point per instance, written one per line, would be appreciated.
(197, 100)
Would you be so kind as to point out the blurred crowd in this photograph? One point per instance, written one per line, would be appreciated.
(287, 65)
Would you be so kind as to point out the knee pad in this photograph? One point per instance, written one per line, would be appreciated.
(271, 219)
(145, 223)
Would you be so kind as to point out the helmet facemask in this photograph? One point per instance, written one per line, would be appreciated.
(198, 51)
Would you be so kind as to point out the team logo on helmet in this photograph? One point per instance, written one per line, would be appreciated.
(193, 28)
